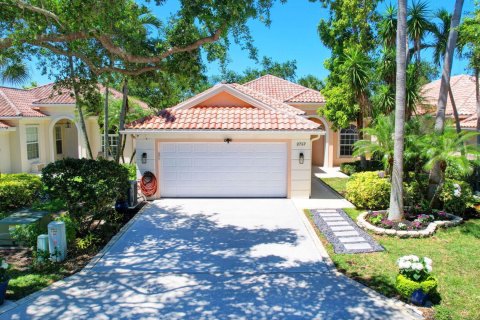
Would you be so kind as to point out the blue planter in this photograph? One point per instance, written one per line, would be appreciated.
(121, 206)
(419, 297)
(3, 290)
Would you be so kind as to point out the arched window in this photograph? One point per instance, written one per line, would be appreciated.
(348, 137)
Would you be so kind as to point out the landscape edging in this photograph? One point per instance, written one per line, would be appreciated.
(427, 232)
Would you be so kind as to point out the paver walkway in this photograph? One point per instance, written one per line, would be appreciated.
(343, 233)
(212, 259)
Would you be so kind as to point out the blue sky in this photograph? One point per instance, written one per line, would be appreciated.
(292, 35)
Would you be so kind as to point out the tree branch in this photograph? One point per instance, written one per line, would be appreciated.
(23, 5)
(38, 40)
(108, 44)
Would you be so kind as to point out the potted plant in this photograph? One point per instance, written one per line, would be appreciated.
(414, 281)
(4, 278)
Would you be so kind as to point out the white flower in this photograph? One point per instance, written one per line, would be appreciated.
(428, 261)
(457, 193)
(417, 266)
(405, 265)
(4, 264)
(428, 267)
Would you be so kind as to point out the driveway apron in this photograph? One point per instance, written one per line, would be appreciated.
(211, 259)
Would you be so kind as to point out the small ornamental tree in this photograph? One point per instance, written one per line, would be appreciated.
(88, 187)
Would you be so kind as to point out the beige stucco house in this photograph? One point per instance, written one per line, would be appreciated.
(40, 125)
(259, 139)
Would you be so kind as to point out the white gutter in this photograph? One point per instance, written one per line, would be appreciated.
(156, 131)
(318, 137)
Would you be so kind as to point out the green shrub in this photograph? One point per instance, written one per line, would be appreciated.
(132, 170)
(350, 168)
(87, 243)
(406, 286)
(415, 192)
(456, 196)
(18, 190)
(88, 187)
(368, 191)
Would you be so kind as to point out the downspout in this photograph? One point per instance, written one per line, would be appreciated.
(312, 139)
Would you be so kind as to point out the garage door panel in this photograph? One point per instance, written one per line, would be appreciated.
(223, 170)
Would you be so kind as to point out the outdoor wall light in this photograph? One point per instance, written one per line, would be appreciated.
(228, 140)
(301, 158)
(144, 157)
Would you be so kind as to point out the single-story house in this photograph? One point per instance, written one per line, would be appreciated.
(259, 139)
(40, 125)
(463, 89)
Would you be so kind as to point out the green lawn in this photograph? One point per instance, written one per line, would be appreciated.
(456, 263)
(337, 184)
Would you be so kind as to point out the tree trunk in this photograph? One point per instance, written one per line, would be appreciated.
(435, 177)
(454, 107)
(79, 107)
(395, 211)
(123, 112)
(106, 146)
(363, 160)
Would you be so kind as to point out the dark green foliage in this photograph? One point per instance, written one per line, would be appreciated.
(350, 168)
(18, 190)
(456, 196)
(88, 187)
(26, 234)
(368, 191)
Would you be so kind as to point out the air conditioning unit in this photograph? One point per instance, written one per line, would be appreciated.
(132, 194)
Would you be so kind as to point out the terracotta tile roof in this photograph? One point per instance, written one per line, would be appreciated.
(463, 88)
(469, 123)
(223, 118)
(267, 99)
(26, 103)
(283, 90)
(4, 125)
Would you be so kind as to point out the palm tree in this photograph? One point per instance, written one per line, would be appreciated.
(382, 144)
(440, 33)
(447, 148)
(387, 27)
(12, 71)
(396, 194)
(357, 67)
(418, 25)
(435, 172)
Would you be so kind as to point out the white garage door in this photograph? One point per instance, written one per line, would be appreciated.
(223, 170)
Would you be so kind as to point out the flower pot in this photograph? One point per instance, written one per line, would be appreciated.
(3, 290)
(419, 297)
(415, 291)
(121, 206)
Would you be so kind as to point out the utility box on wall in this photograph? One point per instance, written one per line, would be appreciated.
(57, 241)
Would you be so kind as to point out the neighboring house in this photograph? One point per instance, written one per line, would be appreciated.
(259, 139)
(463, 89)
(40, 125)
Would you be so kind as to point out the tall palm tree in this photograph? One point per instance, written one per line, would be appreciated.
(12, 71)
(418, 25)
(395, 211)
(440, 34)
(357, 67)
(435, 172)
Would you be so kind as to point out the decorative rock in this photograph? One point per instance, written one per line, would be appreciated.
(402, 233)
(390, 231)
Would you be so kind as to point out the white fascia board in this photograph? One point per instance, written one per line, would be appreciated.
(152, 131)
(8, 129)
(218, 89)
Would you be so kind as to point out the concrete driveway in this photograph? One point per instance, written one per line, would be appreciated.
(211, 259)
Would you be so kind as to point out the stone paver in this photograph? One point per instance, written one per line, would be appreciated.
(344, 233)
(212, 259)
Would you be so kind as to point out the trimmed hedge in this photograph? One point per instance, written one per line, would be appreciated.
(18, 190)
(367, 190)
(406, 286)
(350, 168)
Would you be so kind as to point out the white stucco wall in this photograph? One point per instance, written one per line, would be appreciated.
(5, 166)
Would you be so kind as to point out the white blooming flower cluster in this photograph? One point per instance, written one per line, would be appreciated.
(414, 267)
(3, 270)
(4, 265)
(458, 190)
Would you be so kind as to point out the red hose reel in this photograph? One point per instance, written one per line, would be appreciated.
(148, 184)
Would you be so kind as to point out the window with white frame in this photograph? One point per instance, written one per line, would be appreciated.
(112, 145)
(32, 143)
(348, 137)
(58, 139)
